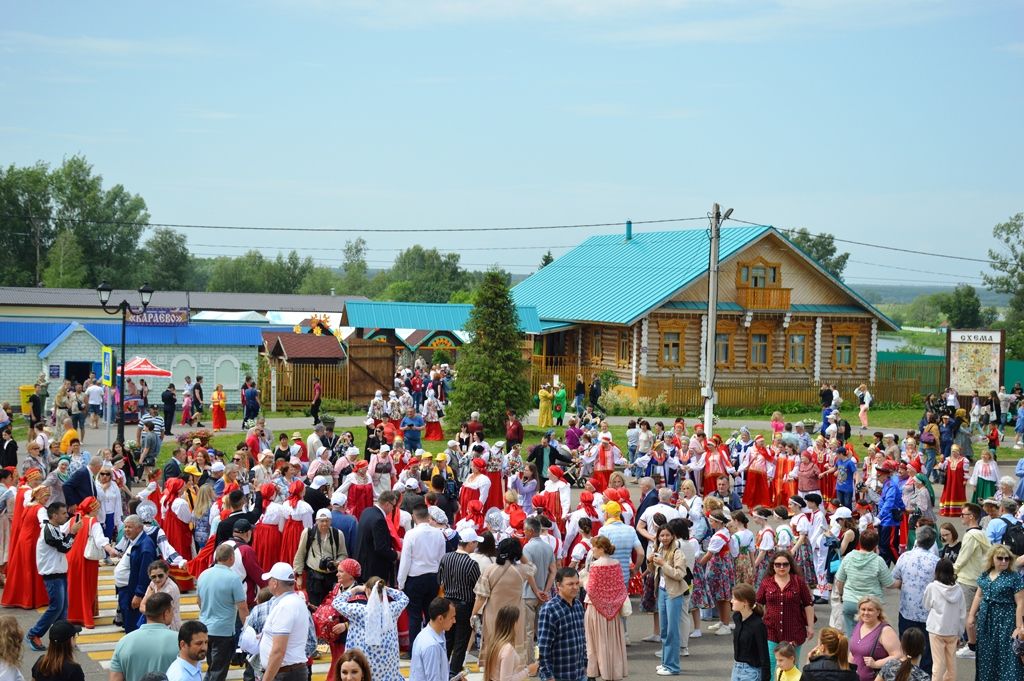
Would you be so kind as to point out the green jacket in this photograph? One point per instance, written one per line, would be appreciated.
(863, 574)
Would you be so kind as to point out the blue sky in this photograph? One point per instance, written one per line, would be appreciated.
(892, 122)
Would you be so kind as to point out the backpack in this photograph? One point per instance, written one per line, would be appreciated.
(1013, 537)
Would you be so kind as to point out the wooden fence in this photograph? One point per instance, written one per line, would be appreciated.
(684, 393)
(295, 382)
(544, 369)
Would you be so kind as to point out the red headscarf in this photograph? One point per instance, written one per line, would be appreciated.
(88, 504)
(475, 513)
(587, 503)
(269, 492)
(225, 510)
(171, 491)
(295, 492)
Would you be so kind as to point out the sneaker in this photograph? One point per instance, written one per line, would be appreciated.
(965, 653)
(723, 631)
(628, 643)
(685, 652)
(732, 626)
(696, 633)
(653, 638)
(35, 643)
(715, 626)
(664, 672)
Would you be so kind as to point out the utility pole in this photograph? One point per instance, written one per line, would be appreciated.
(708, 392)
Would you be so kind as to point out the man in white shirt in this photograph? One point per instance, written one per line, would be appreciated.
(283, 642)
(94, 395)
(645, 527)
(422, 549)
(192, 642)
(314, 440)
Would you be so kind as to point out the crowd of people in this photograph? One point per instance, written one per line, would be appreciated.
(390, 551)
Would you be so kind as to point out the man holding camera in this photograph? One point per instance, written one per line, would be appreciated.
(321, 548)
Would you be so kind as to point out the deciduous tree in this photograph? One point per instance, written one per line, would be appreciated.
(821, 247)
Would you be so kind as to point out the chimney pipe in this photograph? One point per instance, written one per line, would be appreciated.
(629, 230)
(332, 290)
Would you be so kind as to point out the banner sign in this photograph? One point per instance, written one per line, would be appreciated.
(975, 336)
(975, 360)
(107, 373)
(12, 349)
(160, 316)
(54, 371)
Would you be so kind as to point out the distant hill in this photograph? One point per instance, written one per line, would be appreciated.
(878, 294)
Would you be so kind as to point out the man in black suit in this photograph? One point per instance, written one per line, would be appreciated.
(175, 467)
(648, 498)
(170, 401)
(376, 553)
(82, 483)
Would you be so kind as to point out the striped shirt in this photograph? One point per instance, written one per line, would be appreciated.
(458, 574)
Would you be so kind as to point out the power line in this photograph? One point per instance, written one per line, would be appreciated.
(897, 249)
(363, 230)
(908, 269)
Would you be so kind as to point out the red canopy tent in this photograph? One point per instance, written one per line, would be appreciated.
(140, 366)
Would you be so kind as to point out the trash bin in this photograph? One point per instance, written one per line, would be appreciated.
(26, 391)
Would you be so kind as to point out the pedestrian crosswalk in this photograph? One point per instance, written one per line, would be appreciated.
(99, 642)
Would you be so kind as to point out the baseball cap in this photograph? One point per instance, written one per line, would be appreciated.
(319, 481)
(241, 526)
(468, 534)
(411, 483)
(282, 572)
(217, 467)
(842, 513)
(323, 513)
(339, 498)
(62, 631)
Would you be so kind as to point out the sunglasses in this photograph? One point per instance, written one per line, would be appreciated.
(781, 564)
(236, 460)
(1003, 559)
(158, 576)
(104, 475)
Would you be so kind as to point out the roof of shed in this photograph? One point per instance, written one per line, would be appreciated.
(307, 346)
(194, 300)
(429, 316)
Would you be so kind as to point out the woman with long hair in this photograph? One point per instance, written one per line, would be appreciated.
(874, 642)
(372, 611)
(525, 485)
(502, 584)
(352, 666)
(298, 517)
(109, 496)
(218, 403)
(83, 569)
(749, 639)
(998, 615)
(602, 623)
(906, 667)
(11, 639)
(669, 561)
(830, 659)
(160, 582)
(24, 587)
(201, 521)
(58, 664)
(501, 662)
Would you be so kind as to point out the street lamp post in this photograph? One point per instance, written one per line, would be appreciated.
(123, 307)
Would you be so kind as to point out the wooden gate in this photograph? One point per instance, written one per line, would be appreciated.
(371, 367)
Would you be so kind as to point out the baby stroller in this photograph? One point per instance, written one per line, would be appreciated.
(576, 472)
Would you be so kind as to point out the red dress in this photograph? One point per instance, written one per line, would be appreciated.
(293, 528)
(266, 537)
(433, 431)
(360, 498)
(757, 491)
(24, 588)
(716, 465)
(827, 483)
(954, 493)
(179, 534)
(83, 575)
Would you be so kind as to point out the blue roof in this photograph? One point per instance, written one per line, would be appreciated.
(630, 277)
(427, 316)
(45, 333)
(723, 305)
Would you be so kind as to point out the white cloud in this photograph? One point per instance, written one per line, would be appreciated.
(19, 41)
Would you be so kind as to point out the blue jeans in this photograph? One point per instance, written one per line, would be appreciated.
(57, 592)
(577, 404)
(845, 498)
(741, 671)
(669, 611)
(849, 616)
(929, 462)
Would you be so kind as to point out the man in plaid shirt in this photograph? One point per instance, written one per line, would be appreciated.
(560, 637)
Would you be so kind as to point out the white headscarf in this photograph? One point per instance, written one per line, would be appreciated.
(378, 615)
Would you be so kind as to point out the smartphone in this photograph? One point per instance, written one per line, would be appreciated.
(459, 677)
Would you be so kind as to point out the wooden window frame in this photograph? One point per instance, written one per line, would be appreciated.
(799, 329)
(623, 343)
(726, 327)
(766, 329)
(759, 261)
(597, 345)
(845, 329)
(672, 326)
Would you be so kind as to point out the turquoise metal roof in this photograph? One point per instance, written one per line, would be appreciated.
(723, 306)
(625, 279)
(368, 314)
(547, 326)
(829, 309)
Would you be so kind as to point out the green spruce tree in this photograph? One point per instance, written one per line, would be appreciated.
(491, 370)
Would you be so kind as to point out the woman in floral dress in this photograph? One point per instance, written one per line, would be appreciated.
(954, 492)
(371, 625)
(998, 614)
(800, 522)
(719, 573)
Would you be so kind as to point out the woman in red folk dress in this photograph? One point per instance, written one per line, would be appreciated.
(954, 492)
(759, 474)
(24, 588)
(177, 518)
(266, 536)
(32, 478)
(299, 517)
(573, 536)
(606, 455)
(476, 486)
(432, 417)
(826, 461)
(83, 572)
(358, 487)
(716, 463)
(787, 462)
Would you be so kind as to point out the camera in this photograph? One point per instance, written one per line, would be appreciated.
(328, 565)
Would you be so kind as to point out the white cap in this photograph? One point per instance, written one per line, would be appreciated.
(352, 451)
(842, 513)
(217, 467)
(384, 449)
(412, 483)
(320, 450)
(339, 498)
(499, 444)
(420, 453)
(323, 513)
(319, 481)
(468, 534)
(368, 422)
(453, 443)
(280, 571)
